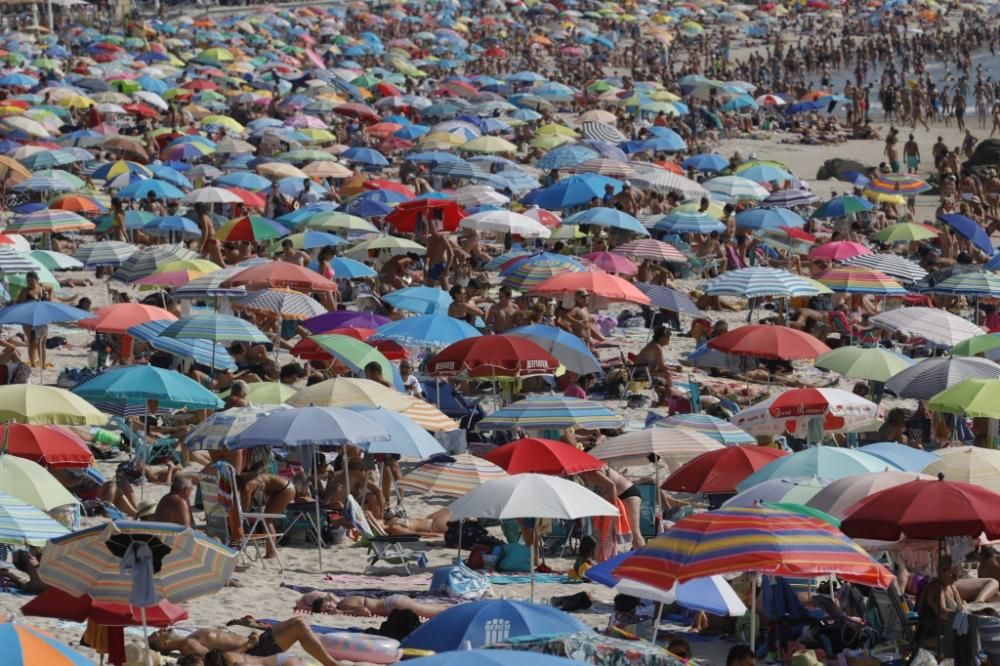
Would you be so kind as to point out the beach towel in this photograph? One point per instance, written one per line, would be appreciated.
(611, 531)
(419, 581)
(540, 579)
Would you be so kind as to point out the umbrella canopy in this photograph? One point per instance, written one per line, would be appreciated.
(530, 496)
(406, 437)
(602, 285)
(51, 446)
(718, 429)
(758, 540)
(186, 564)
(312, 426)
(567, 348)
(41, 313)
(280, 274)
(791, 411)
(674, 446)
(348, 392)
(493, 356)
(203, 352)
(421, 300)
(898, 267)
(980, 344)
(433, 330)
(214, 327)
(839, 496)
(793, 489)
(451, 475)
(21, 523)
(931, 376)
(543, 456)
(934, 325)
(32, 484)
(58, 604)
(284, 303)
(648, 248)
(145, 383)
(906, 458)
(859, 280)
(46, 405)
(770, 342)
(221, 429)
(969, 464)
(972, 397)
(925, 509)
(479, 623)
(721, 470)
(23, 645)
(871, 363)
(552, 412)
(120, 317)
(826, 461)
(758, 282)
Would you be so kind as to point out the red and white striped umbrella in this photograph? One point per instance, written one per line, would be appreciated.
(648, 248)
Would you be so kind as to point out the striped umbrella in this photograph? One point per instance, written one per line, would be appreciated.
(734, 189)
(21, 523)
(451, 476)
(48, 221)
(860, 281)
(894, 265)
(104, 253)
(661, 180)
(214, 327)
(210, 286)
(285, 303)
(897, 183)
(23, 645)
(147, 260)
(674, 446)
(791, 198)
(221, 429)
(932, 324)
(669, 299)
(648, 248)
(15, 262)
(718, 429)
(968, 464)
(606, 132)
(689, 221)
(969, 284)
(202, 352)
(931, 376)
(250, 228)
(605, 167)
(536, 269)
(551, 412)
(757, 540)
(187, 564)
(757, 282)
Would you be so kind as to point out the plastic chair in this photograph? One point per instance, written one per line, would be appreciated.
(381, 546)
(146, 451)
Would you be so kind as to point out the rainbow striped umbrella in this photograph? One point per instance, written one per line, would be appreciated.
(22, 523)
(718, 429)
(23, 645)
(856, 280)
(897, 183)
(250, 228)
(758, 540)
(545, 412)
(532, 271)
(47, 221)
(186, 564)
(452, 476)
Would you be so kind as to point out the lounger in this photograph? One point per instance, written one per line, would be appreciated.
(388, 549)
(147, 451)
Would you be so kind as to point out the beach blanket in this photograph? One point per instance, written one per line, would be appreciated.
(540, 578)
(416, 581)
(373, 592)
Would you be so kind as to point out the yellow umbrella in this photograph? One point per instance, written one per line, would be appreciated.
(715, 209)
(555, 128)
(196, 265)
(441, 138)
(46, 405)
(883, 197)
(223, 121)
(550, 141)
(281, 170)
(318, 135)
(325, 169)
(488, 144)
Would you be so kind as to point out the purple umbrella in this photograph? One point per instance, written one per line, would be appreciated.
(344, 319)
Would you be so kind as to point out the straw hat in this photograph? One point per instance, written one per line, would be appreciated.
(146, 509)
(806, 658)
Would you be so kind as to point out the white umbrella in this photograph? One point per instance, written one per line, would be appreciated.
(712, 595)
(152, 99)
(211, 195)
(530, 496)
(939, 327)
(507, 222)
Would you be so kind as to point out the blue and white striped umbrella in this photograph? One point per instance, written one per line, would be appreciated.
(757, 282)
(104, 253)
(44, 184)
(15, 262)
(21, 523)
(893, 265)
(214, 327)
(286, 303)
(718, 429)
(689, 221)
(145, 262)
(566, 156)
(460, 170)
(221, 429)
(669, 299)
(733, 189)
(791, 198)
(203, 352)
(552, 412)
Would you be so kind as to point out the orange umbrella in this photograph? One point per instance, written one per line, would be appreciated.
(280, 274)
(76, 203)
(600, 284)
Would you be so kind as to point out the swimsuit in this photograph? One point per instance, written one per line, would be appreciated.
(631, 491)
(392, 601)
(435, 271)
(266, 646)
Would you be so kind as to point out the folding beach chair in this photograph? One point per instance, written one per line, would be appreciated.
(146, 451)
(225, 519)
(380, 546)
(648, 520)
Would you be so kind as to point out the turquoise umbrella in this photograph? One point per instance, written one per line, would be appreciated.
(829, 462)
(138, 384)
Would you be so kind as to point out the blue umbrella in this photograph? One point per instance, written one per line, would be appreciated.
(843, 206)
(608, 217)
(493, 658)
(314, 239)
(312, 426)
(669, 299)
(706, 162)
(170, 175)
(970, 230)
(140, 189)
(172, 224)
(431, 330)
(244, 179)
(904, 457)
(366, 207)
(665, 143)
(366, 156)
(573, 191)
(768, 218)
(689, 221)
(142, 383)
(566, 156)
(421, 300)
(567, 348)
(350, 269)
(433, 157)
(41, 313)
(406, 438)
(203, 352)
(492, 621)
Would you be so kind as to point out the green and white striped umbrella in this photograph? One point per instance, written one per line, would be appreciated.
(214, 327)
(21, 523)
(148, 260)
(104, 253)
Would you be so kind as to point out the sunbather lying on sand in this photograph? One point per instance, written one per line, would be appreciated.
(324, 602)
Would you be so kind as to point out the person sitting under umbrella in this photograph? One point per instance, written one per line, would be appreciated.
(271, 643)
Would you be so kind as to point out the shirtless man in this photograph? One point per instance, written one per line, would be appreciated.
(892, 152)
(469, 242)
(395, 272)
(627, 200)
(175, 506)
(274, 492)
(440, 255)
(651, 356)
(210, 248)
(272, 642)
(290, 255)
(504, 314)
(462, 309)
(911, 153)
(357, 606)
(578, 317)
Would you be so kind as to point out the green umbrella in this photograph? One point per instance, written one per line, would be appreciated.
(973, 397)
(340, 222)
(904, 231)
(396, 245)
(871, 363)
(804, 510)
(353, 352)
(266, 393)
(976, 345)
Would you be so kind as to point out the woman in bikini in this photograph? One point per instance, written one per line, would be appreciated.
(36, 335)
(358, 606)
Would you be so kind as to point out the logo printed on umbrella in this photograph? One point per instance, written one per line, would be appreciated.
(537, 363)
(496, 631)
(445, 365)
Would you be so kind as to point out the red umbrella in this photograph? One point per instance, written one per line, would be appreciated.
(543, 456)
(771, 342)
(50, 446)
(923, 509)
(595, 283)
(839, 250)
(120, 317)
(249, 198)
(280, 274)
(361, 111)
(717, 472)
(493, 356)
(383, 184)
(446, 214)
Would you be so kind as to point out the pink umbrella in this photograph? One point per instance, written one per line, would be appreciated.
(839, 251)
(612, 263)
(168, 279)
(301, 120)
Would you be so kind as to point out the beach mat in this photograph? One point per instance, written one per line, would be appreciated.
(540, 578)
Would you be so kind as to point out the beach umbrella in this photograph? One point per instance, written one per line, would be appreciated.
(479, 623)
(675, 447)
(506, 222)
(104, 253)
(603, 286)
(51, 446)
(719, 471)
(792, 410)
(311, 426)
(432, 330)
(793, 489)
(931, 376)
(223, 428)
(522, 273)
(770, 342)
(285, 303)
(934, 325)
(32, 484)
(689, 221)
(280, 274)
(145, 384)
(542, 456)
(980, 344)
(924, 509)
(839, 250)
(451, 475)
(968, 464)
(758, 282)
(48, 221)
(763, 217)
(356, 355)
(351, 269)
(972, 397)
(904, 232)
(492, 356)
(345, 319)
(733, 189)
(56, 261)
(842, 206)
(827, 461)
(147, 260)
(350, 392)
(612, 263)
(857, 280)
(890, 264)
(968, 284)
(550, 413)
(907, 458)
(214, 327)
(897, 183)
(970, 230)
(610, 218)
(41, 313)
(568, 349)
(46, 405)
(269, 393)
(839, 496)
(23, 524)
(406, 437)
(203, 352)
(871, 363)
(669, 299)
(15, 262)
(705, 162)
(23, 645)
(250, 228)
(648, 248)
(570, 192)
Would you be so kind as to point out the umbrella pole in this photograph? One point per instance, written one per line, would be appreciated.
(319, 516)
(461, 523)
(656, 494)
(656, 621)
(145, 636)
(534, 537)
(753, 613)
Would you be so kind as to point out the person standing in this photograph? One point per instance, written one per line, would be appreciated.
(911, 153)
(36, 335)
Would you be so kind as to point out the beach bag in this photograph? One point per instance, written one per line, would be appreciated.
(514, 557)
(400, 623)
(473, 534)
(475, 560)
(459, 581)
